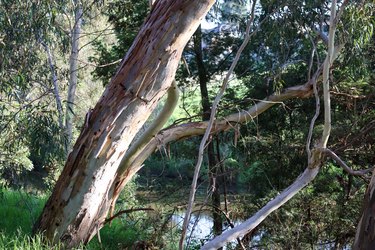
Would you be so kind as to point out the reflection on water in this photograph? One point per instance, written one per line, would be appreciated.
(202, 231)
(202, 228)
(200, 225)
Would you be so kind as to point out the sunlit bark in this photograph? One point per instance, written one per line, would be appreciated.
(82, 196)
(73, 74)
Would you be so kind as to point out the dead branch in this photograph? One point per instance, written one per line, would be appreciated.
(250, 224)
(342, 164)
(127, 211)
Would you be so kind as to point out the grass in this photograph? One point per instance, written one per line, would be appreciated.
(24, 242)
(19, 210)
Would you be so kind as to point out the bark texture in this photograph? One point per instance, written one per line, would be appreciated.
(365, 236)
(191, 129)
(82, 196)
(73, 74)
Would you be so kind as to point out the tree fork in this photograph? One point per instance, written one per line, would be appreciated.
(81, 198)
(191, 129)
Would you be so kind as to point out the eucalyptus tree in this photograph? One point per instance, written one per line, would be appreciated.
(28, 123)
(74, 34)
(96, 171)
(83, 194)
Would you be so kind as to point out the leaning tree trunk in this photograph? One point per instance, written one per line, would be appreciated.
(81, 198)
(365, 236)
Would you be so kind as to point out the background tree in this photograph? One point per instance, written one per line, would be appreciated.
(37, 112)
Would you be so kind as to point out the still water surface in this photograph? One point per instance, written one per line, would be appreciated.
(200, 226)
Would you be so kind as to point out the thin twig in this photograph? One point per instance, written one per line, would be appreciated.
(127, 211)
(209, 127)
(100, 65)
(313, 120)
(314, 79)
(348, 169)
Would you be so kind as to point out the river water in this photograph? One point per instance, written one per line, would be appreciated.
(200, 226)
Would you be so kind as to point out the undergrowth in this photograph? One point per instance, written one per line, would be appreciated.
(19, 210)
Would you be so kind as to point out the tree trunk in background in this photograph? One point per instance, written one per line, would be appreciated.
(80, 201)
(213, 164)
(365, 236)
(73, 74)
(55, 84)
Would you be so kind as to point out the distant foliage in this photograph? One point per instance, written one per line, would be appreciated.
(126, 17)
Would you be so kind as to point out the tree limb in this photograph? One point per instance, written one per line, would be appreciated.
(192, 129)
(127, 211)
(239, 231)
(349, 170)
(210, 125)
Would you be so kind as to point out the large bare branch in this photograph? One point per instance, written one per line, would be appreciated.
(226, 123)
(192, 129)
(248, 225)
(314, 160)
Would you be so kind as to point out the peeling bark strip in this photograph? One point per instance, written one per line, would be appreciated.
(80, 200)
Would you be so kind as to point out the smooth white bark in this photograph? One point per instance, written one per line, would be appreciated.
(55, 84)
(73, 74)
(239, 231)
